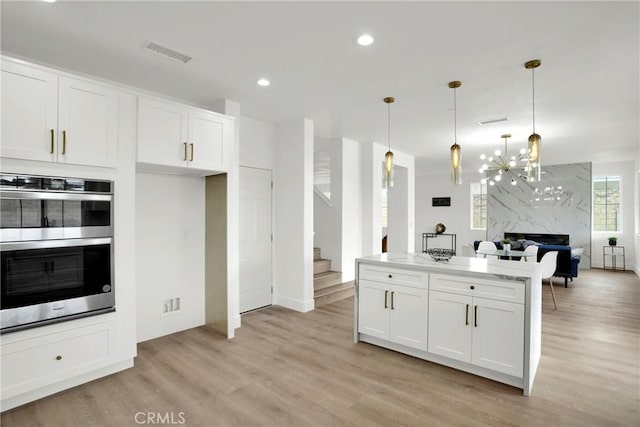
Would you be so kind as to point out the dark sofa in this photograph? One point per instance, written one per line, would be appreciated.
(566, 264)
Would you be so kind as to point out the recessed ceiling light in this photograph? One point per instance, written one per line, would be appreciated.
(365, 40)
(264, 82)
(49, 1)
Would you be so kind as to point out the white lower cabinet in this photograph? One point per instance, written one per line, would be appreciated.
(39, 361)
(484, 324)
(394, 313)
(480, 331)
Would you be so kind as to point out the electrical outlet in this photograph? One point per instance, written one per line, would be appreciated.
(170, 306)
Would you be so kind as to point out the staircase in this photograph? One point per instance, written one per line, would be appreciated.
(327, 284)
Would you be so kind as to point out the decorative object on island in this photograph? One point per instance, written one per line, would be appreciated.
(440, 228)
(388, 157)
(456, 156)
(502, 164)
(613, 241)
(533, 151)
(439, 239)
(440, 254)
(506, 245)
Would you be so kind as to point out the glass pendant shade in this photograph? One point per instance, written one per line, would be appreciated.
(388, 170)
(387, 179)
(533, 165)
(456, 157)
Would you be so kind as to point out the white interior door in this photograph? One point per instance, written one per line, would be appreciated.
(255, 238)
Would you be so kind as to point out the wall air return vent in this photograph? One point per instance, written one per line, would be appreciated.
(167, 53)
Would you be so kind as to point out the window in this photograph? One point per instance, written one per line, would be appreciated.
(606, 203)
(478, 206)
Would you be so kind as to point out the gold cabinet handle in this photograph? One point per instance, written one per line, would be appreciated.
(64, 142)
(58, 357)
(466, 316)
(475, 316)
(52, 141)
(191, 152)
(392, 306)
(185, 151)
(386, 293)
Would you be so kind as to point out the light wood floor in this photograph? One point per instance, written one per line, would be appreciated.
(291, 369)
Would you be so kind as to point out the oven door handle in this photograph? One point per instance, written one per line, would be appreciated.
(46, 244)
(40, 195)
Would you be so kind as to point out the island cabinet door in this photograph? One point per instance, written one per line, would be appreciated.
(373, 309)
(450, 325)
(498, 336)
(408, 316)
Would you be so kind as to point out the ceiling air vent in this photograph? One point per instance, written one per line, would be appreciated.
(488, 122)
(167, 53)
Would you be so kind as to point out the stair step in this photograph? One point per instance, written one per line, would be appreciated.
(333, 293)
(321, 266)
(316, 254)
(326, 279)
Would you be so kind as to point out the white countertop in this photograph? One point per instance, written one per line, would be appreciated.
(505, 269)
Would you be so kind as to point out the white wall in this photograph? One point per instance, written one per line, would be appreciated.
(293, 216)
(351, 207)
(457, 217)
(257, 143)
(372, 159)
(398, 212)
(327, 218)
(629, 190)
(169, 252)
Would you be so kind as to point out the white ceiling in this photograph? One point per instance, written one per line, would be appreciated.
(587, 89)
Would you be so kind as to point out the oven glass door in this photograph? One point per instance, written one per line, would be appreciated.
(32, 276)
(51, 213)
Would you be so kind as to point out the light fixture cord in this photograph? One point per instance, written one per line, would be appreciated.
(455, 119)
(389, 128)
(533, 98)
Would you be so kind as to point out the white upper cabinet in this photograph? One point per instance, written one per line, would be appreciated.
(182, 139)
(47, 117)
(162, 133)
(88, 120)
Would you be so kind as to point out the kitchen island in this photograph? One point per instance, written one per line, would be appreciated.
(482, 316)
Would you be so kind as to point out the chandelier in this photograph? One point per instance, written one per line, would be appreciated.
(503, 166)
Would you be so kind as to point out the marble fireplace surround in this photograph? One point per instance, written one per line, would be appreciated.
(559, 204)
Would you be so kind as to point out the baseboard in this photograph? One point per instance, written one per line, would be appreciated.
(295, 304)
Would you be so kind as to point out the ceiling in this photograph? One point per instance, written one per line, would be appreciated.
(587, 89)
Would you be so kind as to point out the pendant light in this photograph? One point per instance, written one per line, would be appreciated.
(388, 157)
(533, 151)
(456, 155)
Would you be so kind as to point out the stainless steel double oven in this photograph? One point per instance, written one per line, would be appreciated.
(56, 242)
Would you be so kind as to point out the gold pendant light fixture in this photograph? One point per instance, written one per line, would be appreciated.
(456, 155)
(388, 157)
(534, 146)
